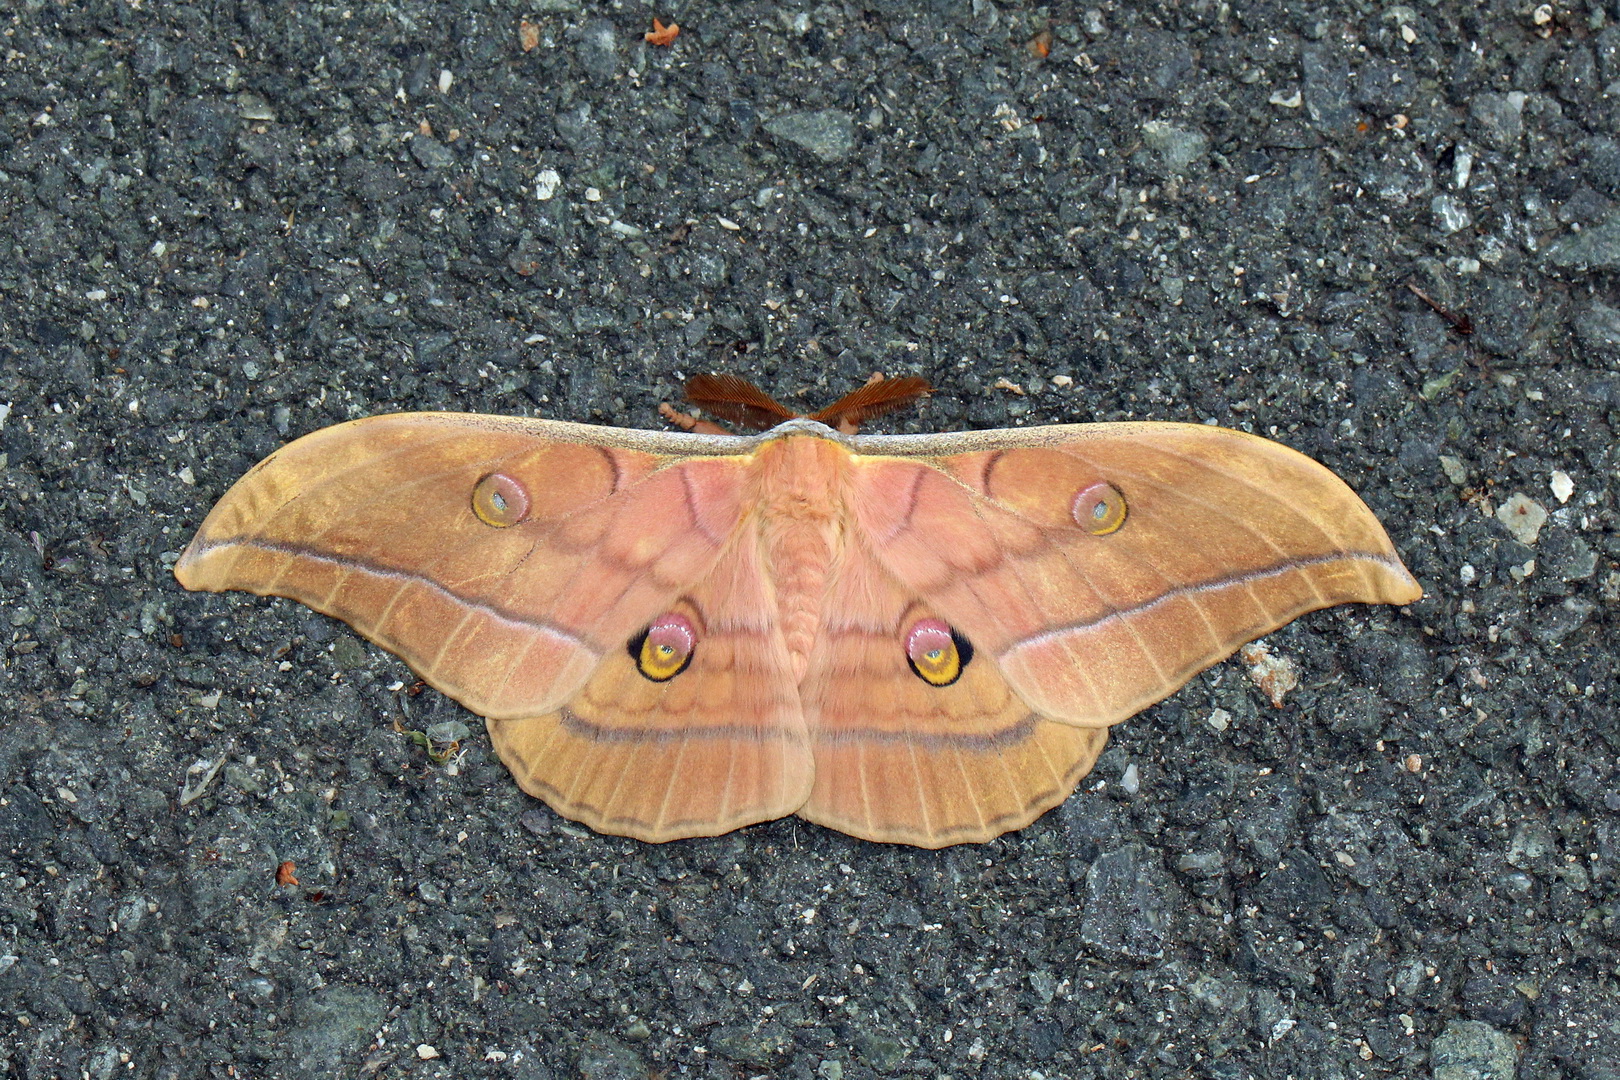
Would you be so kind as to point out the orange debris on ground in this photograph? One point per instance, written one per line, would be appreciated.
(661, 34)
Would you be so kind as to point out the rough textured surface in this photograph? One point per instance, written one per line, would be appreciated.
(228, 224)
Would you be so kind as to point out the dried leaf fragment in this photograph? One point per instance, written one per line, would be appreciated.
(286, 873)
(528, 36)
(661, 34)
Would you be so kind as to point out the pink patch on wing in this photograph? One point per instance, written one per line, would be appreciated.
(672, 630)
(926, 636)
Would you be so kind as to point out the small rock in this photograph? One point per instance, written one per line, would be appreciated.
(1156, 63)
(1597, 248)
(606, 1058)
(1531, 846)
(1473, 1050)
(761, 1047)
(588, 319)
(1274, 675)
(1454, 469)
(878, 1052)
(1201, 865)
(335, 1023)
(1178, 148)
(1500, 117)
(1597, 325)
(1267, 823)
(1131, 779)
(1506, 314)
(598, 51)
(1326, 88)
(348, 654)
(1127, 904)
(1450, 214)
(430, 153)
(578, 129)
(1569, 557)
(427, 1052)
(829, 135)
(1558, 622)
(1600, 162)
(1523, 517)
(546, 184)
(1493, 999)
(1562, 486)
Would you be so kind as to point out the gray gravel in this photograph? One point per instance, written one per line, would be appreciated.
(229, 224)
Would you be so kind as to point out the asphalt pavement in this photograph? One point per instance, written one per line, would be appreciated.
(1386, 235)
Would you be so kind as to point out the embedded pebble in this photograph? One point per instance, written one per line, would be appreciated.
(430, 153)
(1523, 517)
(598, 50)
(1473, 1050)
(1178, 148)
(1499, 117)
(334, 1022)
(1127, 899)
(1274, 675)
(1562, 486)
(828, 135)
(1596, 248)
(545, 185)
(1450, 213)
(1598, 326)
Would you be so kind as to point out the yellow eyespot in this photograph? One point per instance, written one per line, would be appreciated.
(1099, 509)
(500, 501)
(937, 654)
(664, 649)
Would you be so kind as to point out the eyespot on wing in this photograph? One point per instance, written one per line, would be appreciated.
(937, 654)
(1048, 488)
(500, 501)
(1099, 508)
(665, 648)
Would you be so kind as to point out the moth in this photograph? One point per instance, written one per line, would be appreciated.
(918, 639)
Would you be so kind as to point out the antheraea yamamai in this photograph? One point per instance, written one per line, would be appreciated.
(911, 638)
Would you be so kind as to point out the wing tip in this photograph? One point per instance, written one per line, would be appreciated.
(190, 570)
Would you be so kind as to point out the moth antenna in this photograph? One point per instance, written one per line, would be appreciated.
(873, 400)
(738, 401)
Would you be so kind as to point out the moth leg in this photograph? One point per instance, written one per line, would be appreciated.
(688, 422)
